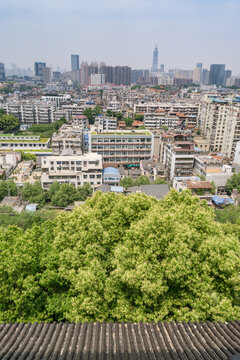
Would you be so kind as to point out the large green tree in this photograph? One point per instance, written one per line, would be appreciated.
(34, 193)
(233, 182)
(7, 187)
(123, 258)
(9, 123)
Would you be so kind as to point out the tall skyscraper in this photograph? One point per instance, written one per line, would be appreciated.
(154, 68)
(162, 68)
(122, 75)
(108, 72)
(216, 75)
(2, 72)
(199, 65)
(74, 62)
(84, 77)
(39, 70)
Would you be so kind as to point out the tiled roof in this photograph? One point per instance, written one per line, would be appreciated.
(186, 341)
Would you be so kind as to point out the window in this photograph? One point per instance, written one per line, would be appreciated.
(92, 176)
(85, 176)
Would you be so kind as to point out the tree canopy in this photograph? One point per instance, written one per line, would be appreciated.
(122, 258)
(233, 182)
(9, 123)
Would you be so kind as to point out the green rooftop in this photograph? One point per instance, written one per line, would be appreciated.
(122, 133)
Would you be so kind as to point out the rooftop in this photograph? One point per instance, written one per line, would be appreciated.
(149, 341)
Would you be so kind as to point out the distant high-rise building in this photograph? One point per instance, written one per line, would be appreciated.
(154, 68)
(108, 71)
(47, 75)
(56, 75)
(84, 78)
(139, 76)
(216, 75)
(74, 62)
(204, 80)
(97, 79)
(122, 75)
(162, 68)
(2, 72)
(39, 70)
(227, 74)
(93, 68)
(199, 65)
(197, 75)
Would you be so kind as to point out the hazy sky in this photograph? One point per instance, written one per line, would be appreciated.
(120, 32)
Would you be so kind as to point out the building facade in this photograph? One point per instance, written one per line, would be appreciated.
(75, 170)
(122, 147)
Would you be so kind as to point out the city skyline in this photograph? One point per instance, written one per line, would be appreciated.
(187, 32)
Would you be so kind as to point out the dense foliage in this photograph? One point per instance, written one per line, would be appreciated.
(233, 183)
(127, 181)
(9, 123)
(59, 195)
(7, 188)
(25, 219)
(129, 258)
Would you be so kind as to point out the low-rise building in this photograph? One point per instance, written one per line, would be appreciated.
(213, 169)
(201, 143)
(69, 139)
(104, 123)
(179, 158)
(111, 176)
(75, 170)
(12, 142)
(153, 169)
(124, 147)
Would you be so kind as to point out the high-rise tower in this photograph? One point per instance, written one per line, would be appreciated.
(154, 68)
(74, 62)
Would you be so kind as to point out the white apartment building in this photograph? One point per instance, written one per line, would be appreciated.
(57, 99)
(11, 142)
(187, 108)
(157, 120)
(212, 169)
(179, 158)
(97, 79)
(219, 121)
(31, 112)
(124, 147)
(103, 123)
(75, 170)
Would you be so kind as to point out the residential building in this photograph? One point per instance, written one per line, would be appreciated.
(2, 72)
(179, 158)
(108, 72)
(74, 62)
(31, 112)
(122, 75)
(97, 79)
(84, 80)
(104, 123)
(75, 170)
(39, 70)
(202, 144)
(11, 142)
(219, 121)
(213, 169)
(126, 147)
(153, 169)
(111, 176)
(47, 75)
(69, 139)
(216, 75)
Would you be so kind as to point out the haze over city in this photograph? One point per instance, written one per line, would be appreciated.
(120, 33)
